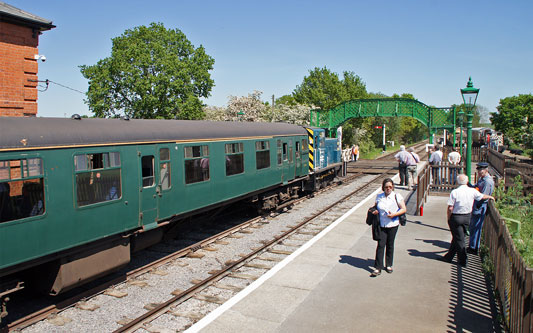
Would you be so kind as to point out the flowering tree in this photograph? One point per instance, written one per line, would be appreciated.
(293, 114)
(251, 108)
(245, 108)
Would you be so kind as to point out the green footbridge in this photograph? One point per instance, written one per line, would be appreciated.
(433, 117)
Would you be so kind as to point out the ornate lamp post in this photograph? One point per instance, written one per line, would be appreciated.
(469, 98)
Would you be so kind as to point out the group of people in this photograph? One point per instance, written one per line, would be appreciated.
(466, 209)
(435, 159)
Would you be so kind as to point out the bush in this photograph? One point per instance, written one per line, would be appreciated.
(512, 203)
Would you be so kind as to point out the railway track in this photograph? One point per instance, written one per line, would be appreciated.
(229, 270)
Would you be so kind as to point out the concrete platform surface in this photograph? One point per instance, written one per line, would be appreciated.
(327, 286)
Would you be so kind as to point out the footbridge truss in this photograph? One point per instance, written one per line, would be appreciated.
(434, 118)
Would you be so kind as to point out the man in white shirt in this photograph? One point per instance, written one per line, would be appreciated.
(459, 211)
(402, 157)
(411, 166)
(454, 158)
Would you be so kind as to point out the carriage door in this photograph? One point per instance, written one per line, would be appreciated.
(285, 160)
(291, 160)
(148, 189)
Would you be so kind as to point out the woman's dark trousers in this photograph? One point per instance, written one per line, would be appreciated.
(458, 223)
(386, 241)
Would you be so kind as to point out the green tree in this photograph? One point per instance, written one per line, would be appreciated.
(324, 89)
(153, 72)
(515, 119)
(286, 100)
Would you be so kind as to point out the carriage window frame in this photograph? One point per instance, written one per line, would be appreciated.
(305, 145)
(279, 151)
(28, 172)
(164, 163)
(99, 163)
(262, 155)
(196, 160)
(234, 158)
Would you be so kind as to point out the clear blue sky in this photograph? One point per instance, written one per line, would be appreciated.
(426, 48)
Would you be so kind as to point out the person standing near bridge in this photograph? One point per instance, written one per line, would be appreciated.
(435, 159)
(412, 166)
(390, 206)
(402, 157)
(459, 212)
(454, 158)
(485, 185)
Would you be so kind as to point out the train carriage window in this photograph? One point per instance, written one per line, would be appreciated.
(234, 158)
(147, 170)
(305, 145)
(297, 149)
(21, 189)
(262, 154)
(4, 170)
(196, 164)
(285, 150)
(98, 178)
(114, 159)
(164, 168)
(279, 152)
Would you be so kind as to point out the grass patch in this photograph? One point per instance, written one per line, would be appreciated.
(376, 152)
(512, 203)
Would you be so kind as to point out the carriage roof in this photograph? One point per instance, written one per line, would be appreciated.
(32, 133)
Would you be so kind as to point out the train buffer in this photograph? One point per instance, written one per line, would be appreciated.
(328, 288)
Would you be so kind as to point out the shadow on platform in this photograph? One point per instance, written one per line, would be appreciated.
(472, 306)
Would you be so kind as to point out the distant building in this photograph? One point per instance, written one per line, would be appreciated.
(19, 39)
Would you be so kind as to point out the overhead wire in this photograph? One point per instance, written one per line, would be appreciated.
(47, 83)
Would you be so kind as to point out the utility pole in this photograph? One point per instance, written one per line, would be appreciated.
(384, 143)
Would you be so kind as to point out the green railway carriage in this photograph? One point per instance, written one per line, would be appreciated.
(77, 196)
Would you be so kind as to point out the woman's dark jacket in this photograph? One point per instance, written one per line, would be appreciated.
(373, 220)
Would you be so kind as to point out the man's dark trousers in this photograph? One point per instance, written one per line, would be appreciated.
(404, 180)
(458, 223)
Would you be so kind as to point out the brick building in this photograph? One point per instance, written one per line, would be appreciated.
(19, 39)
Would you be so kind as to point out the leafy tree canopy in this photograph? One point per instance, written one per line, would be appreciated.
(515, 119)
(324, 89)
(153, 72)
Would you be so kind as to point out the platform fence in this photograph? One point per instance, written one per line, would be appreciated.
(444, 176)
(513, 279)
(508, 168)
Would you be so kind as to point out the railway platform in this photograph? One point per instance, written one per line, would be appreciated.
(326, 285)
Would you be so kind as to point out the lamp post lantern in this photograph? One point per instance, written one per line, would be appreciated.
(469, 98)
(240, 114)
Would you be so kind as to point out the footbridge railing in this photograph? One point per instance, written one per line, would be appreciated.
(432, 117)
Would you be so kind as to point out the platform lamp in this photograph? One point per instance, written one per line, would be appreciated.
(240, 114)
(469, 98)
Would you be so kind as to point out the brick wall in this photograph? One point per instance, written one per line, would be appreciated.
(18, 47)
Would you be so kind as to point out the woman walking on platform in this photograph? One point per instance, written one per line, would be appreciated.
(390, 206)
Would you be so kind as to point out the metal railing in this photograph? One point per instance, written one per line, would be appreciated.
(444, 176)
(513, 279)
(422, 192)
